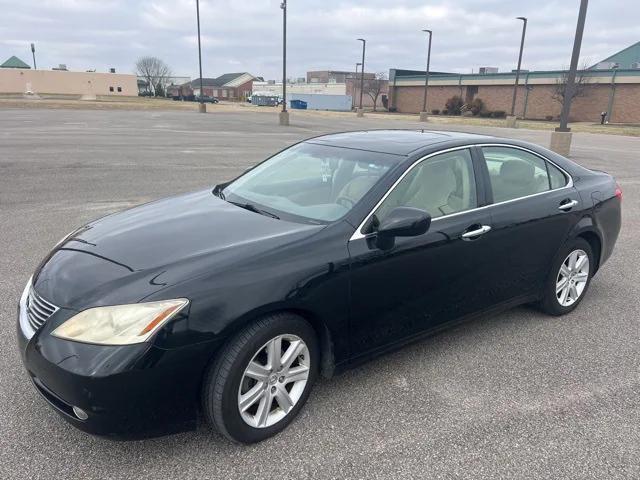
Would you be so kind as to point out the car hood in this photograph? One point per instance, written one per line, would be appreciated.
(125, 257)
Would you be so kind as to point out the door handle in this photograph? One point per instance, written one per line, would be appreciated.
(476, 233)
(568, 206)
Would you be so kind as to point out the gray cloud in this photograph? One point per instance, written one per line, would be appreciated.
(246, 35)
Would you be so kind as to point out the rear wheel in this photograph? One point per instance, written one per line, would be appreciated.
(262, 378)
(569, 278)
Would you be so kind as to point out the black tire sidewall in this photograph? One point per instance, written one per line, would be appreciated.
(229, 416)
(550, 301)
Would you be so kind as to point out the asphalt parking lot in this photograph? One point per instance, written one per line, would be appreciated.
(517, 395)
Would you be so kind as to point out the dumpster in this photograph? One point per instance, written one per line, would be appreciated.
(299, 104)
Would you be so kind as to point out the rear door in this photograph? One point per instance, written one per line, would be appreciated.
(534, 207)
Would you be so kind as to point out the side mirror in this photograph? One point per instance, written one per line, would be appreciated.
(402, 222)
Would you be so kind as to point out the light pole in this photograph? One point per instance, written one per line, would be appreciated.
(202, 108)
(424, 115)
(561, 137)
(571, 78)
(355, 79)
(33, 52)
(515, 86)
(364, 44)
(284, 115)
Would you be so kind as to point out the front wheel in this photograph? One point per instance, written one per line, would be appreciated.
(569, 278)
(262, 378)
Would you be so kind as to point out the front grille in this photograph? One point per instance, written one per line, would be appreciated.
(38, 309)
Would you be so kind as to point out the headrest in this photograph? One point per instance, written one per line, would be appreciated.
(517, 171)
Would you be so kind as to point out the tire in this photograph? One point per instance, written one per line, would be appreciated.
(551, 302)
(227, 378)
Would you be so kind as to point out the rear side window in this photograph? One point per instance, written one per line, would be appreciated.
(515, 173)
(557, 178)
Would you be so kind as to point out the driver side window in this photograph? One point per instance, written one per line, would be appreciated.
(440, 185)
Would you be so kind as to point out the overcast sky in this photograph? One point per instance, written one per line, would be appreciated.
(245, 35)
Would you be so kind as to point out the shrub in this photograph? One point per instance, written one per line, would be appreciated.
(435, 111)
(454, 104)
(485, 113)
(476, 106)
(445, 112)
(499, 114)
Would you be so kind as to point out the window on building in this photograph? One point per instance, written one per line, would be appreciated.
(120, 89)
(111, 89)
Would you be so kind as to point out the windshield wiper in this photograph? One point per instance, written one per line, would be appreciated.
(252, 208)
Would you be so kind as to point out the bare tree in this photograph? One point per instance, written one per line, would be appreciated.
(375, 87)
(580, 87)
(155, 72)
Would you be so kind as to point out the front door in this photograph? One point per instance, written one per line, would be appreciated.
(427, 280)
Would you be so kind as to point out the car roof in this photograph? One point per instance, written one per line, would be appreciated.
(396, 142)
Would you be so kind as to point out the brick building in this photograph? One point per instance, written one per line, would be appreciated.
(616, 92)
(612, 90)
(230, 86)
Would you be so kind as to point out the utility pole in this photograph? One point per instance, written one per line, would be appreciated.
(33, 52)
(284, 115)
(355, 79)
(515, 86)
(364, 44)
(202, 108)
(424, 116)
(561, 137)
(571, 78)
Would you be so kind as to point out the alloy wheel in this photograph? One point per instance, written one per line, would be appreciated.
(572, 278)
(274, 380)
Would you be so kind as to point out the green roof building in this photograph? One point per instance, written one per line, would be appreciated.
(627, 58)
(14, 62)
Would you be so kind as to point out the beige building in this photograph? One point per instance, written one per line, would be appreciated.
(52, 83)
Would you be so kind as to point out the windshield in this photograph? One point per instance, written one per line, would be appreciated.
(314, 182)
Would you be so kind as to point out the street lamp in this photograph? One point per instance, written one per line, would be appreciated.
(571, 78)
(364, 44)
(284, 115)
(561, 137)
(33, 52)
(202, 108)
(515, 86)
(355, 79)
(423, 114)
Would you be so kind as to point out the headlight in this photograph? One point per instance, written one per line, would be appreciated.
(119, 324)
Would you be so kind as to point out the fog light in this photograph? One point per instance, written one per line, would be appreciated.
(81, 414)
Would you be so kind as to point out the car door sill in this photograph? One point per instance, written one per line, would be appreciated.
(370, 354)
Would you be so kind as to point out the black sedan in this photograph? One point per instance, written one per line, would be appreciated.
(230, 302)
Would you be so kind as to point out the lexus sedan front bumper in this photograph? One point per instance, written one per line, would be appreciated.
(125, 392)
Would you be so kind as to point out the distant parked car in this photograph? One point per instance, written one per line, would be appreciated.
(206, 99)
